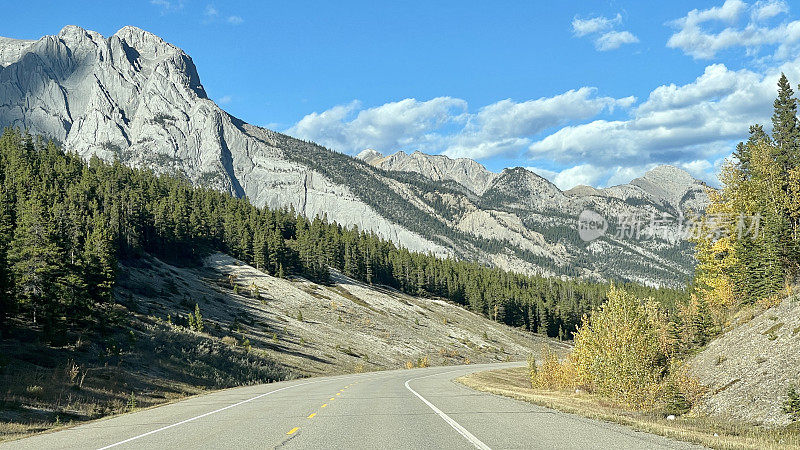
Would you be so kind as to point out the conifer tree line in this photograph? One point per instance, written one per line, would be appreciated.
(64, 224)
(744, 261)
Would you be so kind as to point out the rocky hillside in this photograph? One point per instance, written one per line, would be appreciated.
(146, 352)
(748, 369)
(134, 97)
(313, 329)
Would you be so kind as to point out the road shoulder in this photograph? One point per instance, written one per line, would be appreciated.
(514, 383)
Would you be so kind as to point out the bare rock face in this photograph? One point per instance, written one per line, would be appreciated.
(666, 185)
(463, 171)
(134, 97)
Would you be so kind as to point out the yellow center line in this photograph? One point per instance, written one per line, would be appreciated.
(331, 398)
(311, 416)
(338, 393)
(292, 431)
(324, 405)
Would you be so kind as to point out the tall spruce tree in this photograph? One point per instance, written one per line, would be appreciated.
(785, 128)
(7, 297)
(36, 261)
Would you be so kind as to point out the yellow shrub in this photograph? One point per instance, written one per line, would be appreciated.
(622, 351)
(552, 374)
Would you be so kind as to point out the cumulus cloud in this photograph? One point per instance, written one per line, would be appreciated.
(592, 175)
(764, 10)
(675, 124)
(606, 37)
(585, 174)
(693, 126)
(404, 123)
(444, 124)
(695, 37)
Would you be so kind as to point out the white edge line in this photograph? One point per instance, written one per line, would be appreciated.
(461, 430)
(208, 414)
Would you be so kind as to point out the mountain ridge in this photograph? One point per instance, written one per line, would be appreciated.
(135, 98)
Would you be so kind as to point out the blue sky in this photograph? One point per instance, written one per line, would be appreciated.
(581, 92)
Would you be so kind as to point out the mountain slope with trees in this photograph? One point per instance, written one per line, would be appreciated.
(135, 98)
(66, 222)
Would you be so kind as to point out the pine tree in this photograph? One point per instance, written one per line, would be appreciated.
(792, 404)
(101, 261)
(7, 298)
(785, 128)
(36, 260)
(260, 250)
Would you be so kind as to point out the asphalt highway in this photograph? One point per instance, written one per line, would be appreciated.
(398, 409)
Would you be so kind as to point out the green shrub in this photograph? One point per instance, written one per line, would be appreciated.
(792, 404)
(131, 405)
(675, 402)
(196, 319)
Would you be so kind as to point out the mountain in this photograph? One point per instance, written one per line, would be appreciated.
(135, 98)
(463, 171)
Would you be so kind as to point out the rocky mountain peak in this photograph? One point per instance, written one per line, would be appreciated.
(466, 172)
(370, 156)
(665, 185)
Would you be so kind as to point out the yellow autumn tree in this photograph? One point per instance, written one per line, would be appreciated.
(622, 351)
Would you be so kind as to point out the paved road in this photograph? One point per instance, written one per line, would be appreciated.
(420, 408)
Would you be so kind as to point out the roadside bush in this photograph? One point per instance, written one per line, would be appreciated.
(532, 367)
(423, 362)
(552, 374)
(622, 351)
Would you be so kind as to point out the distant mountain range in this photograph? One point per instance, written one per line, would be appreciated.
(134, 97)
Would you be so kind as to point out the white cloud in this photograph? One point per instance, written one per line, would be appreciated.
(582, 27)
(507, 125)
(591, 175)
(676, 124)
(406, 123)
(607, 38)
(211, 11)
(585, 174)
(764, 10)
(225, 99)
(700, 43)
(614, 40)
(235, 20)
(444, 124)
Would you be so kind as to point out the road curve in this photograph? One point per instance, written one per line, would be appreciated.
(419, 408)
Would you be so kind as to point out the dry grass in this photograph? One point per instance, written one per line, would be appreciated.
(515, 383)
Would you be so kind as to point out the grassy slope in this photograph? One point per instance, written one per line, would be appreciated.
(142, 359)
